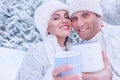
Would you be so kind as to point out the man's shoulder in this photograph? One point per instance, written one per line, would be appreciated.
(111, 29)
(113, 32)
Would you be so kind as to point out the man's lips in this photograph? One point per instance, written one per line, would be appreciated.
(82, 29)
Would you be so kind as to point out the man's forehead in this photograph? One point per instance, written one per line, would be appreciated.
(81, 12)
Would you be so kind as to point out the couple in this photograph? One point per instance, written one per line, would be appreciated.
(53, 21)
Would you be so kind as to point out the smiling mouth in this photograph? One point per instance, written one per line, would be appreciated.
(64, 27)
(83, 29)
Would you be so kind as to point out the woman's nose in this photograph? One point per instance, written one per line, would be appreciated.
(64, 20)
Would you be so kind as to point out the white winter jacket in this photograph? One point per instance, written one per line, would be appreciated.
(112, 40)
(38, 62)
(109, 37)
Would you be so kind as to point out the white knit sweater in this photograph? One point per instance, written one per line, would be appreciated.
(38, 62)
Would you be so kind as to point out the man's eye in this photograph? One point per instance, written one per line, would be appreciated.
(85, 15)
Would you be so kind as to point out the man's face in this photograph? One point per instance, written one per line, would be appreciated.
(86, 24)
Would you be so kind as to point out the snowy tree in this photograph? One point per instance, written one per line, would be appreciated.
(17, 28)
(111, 10)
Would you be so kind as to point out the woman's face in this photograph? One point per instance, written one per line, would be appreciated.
(60, 24)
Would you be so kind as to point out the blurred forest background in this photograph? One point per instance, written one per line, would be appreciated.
(17, 29)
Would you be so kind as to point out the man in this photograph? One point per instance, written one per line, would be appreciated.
(86, 19)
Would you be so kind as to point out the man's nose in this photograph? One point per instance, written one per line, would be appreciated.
(80, 22)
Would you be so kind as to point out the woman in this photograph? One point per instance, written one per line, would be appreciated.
(53, 22)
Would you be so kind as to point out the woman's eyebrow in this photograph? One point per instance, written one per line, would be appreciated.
(55, 14)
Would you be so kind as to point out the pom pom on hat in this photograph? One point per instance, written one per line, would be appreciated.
(85, 5)
(43, 15)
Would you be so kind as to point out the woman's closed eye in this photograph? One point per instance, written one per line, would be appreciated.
(56, 18)
(67, 17)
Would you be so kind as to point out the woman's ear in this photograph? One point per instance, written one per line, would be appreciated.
(48, 32)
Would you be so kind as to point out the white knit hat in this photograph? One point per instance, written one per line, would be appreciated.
(85, 5)
(43, 15)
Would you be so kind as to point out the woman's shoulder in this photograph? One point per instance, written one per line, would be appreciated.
(36, 46)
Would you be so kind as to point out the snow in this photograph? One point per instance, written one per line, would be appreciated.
(10, 60)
